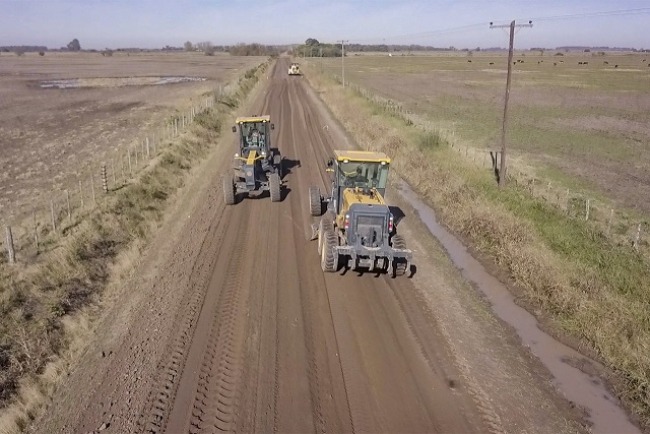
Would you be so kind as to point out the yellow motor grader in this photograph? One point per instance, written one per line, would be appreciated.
(358, 229)
(294, 69)
(257, 165)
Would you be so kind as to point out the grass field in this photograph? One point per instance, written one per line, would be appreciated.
(588, 289)
(585, 126)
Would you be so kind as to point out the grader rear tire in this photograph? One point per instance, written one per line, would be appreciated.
(328, 258)
(277, 163)
(399, 265)
(228, 190)
(324, 225)
(274, 187)
(315, 204)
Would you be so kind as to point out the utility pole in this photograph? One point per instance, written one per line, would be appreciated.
(343, 42)
(512, 25)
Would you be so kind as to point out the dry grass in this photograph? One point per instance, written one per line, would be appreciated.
(44, 306)
(566, 271)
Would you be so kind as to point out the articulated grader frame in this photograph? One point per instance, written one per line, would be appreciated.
(257, 165)
(358, 229)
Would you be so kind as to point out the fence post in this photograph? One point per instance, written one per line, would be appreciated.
(81, 195)
(113, 172)
(67, 200)
(52, 215)
(135, 155)
(128, 153)
(587, 208)
(10, 246)
(35, 230)
(104, 178)
(147, 144)
(638, 236)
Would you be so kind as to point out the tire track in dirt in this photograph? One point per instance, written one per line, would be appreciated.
(217, 395)
(354, 371)
(162, 396)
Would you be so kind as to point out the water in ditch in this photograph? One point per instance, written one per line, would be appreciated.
(583, 389)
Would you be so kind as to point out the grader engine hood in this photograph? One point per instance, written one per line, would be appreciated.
(366, 216)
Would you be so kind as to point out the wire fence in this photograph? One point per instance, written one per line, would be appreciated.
(621, 226)
(29, 227)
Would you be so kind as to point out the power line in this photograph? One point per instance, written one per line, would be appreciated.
(549, 18)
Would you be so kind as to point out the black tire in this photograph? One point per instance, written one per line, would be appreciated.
(399, 265)
(315, 203)
(277, 163)
(228, 190)
(325, 224)
(328, 257)
(274, 187)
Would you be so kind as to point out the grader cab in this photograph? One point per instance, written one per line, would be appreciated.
(358, 229)
(257, 165)
(294, 69)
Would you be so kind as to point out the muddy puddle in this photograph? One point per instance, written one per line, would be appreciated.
(586, 391)
(78, 83)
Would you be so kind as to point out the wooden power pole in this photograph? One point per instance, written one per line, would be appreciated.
(503, 167)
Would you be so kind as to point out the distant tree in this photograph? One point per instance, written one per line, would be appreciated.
(312, 41)
(74, 45)
(41, 53)
(107, 52)
(209, 50)
(188, 46)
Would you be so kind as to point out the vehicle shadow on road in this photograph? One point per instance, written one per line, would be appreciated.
(344, 270)
(288, 165)
(397, 213)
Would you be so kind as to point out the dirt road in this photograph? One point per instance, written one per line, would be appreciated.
(232, 325)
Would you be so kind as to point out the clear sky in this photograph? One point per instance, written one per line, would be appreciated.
(441, 23)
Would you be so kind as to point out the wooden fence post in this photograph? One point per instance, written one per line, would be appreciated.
(587, 209)
(113, 172)
(67, 200)
(147, 143)
(128, 153)
(10, 246)
(638, 237)
(81, 195)
(104, 178)
(35, 230)
(52, 215)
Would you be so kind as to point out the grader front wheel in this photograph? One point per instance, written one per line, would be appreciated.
(274, 187)
(228, 190)
(315, 204)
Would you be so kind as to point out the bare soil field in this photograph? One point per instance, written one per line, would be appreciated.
(580, 118)
(49, 135)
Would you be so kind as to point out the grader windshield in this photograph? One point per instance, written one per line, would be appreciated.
(254, 134)
(362, 174)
